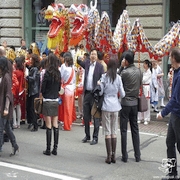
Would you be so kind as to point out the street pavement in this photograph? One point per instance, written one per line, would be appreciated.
(82, 161)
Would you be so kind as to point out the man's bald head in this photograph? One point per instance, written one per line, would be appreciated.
(2, 51)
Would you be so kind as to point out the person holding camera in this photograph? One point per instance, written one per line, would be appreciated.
(131, 78)
(93, 72)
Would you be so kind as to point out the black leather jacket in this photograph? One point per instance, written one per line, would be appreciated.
(33, 81)
(131, 78)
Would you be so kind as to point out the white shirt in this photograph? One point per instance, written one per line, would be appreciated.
(62, 68)
(89, 84)
(65, 74)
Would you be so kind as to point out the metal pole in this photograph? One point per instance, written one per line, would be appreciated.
(166, 9)
(28, 21)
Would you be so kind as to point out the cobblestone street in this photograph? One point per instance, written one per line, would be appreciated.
(157, 127)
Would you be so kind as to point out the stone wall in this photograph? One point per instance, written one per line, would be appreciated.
(69, 2)
(11, 22)
(150, 14)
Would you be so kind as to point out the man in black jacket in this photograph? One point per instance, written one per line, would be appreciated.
(93, 72)
(131, 78)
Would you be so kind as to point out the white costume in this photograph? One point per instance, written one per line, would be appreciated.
(161, 92)
(154, 89)
(146, 81)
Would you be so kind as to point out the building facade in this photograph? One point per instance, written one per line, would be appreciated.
(23, 18)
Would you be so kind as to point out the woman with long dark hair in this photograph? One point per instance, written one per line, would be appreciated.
(111, 86)
(19, 90)
(33, 91)
(67, 109)
(6, 104)
(50, 88)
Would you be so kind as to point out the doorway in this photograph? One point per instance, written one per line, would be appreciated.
(117, 9)
(174, 14)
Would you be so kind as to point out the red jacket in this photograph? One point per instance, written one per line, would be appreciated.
(15, 85)
(20, 77)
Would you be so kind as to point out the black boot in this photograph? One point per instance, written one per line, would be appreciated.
(113, 144)
(48, 142)
(10, 135)
(56, 137)
(43, 126)
(14, 150)
(108, 148)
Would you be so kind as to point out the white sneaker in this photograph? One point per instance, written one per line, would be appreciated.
(146, 123)
(79, 116)
(139, 121)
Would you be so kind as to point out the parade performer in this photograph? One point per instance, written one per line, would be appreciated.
(154, 87)
(161, 92)
(18, 96)
(146, 81)
(67, 114)
(79, 78)
(59, 29)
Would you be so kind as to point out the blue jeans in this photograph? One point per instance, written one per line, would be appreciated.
(5, 125)
(1, 131)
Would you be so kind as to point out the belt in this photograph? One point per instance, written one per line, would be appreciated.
(146, 84)
(110, 95)
(87, 91)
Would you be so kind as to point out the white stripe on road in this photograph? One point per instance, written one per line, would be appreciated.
(35, 171)
(149, 134)
(144, 133)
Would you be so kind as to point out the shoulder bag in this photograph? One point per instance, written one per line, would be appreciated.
(38, 105)
(142, 102)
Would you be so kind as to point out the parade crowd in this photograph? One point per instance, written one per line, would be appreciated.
(106, 90)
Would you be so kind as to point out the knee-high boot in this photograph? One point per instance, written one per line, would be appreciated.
(48, 142)
(108, 149)
(113, 144)
(56, 138)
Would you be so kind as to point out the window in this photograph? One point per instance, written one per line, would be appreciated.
(36, 27)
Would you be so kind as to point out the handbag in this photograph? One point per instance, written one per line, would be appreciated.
(94, 111)
(61, 92)
(98, 102)
(142, 103)
(38, 105)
